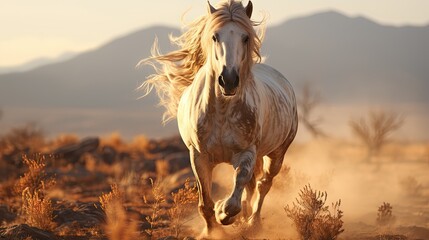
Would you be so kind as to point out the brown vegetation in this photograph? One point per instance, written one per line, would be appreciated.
(94, 190)
(154, 218)
(384, 215)
(36, 209)
(312, 218)
(374, 130)
(308, 101)
(118, 226)
(183, 200)
(63, 194)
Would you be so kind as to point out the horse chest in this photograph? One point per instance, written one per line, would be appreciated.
(230, 132)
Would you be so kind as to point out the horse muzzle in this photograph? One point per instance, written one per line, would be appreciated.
(228, 82)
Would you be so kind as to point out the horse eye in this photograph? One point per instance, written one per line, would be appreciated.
(246, 39)
(214, 38)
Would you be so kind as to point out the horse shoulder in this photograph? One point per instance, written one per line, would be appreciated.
(192, 114)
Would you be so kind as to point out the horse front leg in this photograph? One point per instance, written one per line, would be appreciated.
(203, 168)
(243, 163)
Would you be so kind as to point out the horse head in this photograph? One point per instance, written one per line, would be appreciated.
(232, 41)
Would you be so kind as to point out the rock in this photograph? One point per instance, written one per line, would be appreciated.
(147, 166)
(73, 152)
(167, 145)
(24, 231)
(108, 154)
(177, 161)
(80, 214)
(5, 214)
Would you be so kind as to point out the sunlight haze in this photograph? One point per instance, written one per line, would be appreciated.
(48, 28)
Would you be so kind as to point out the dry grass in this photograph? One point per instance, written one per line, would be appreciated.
(162, 168)
(312, 218)
(139, 144)
(118, 226)
(115, 195)
(29, 198)
(36, 209)
(63, 140)
(182, 200)
(35, 178)
(154, 219)
(27, 138)
(115, 141)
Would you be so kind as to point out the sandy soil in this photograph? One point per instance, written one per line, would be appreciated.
(398, 176)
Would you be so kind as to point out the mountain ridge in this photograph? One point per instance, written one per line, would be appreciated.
(349, 59)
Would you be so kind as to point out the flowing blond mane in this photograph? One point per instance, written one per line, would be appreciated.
(176, 70)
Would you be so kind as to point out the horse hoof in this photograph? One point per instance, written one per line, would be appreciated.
(226, 210)
(225, 219)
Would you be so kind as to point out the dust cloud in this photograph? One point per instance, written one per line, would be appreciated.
(341, 168)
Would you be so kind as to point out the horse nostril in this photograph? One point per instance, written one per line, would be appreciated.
(221, 81)
(236, 81)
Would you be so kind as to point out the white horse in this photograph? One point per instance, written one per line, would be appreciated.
(230, 109)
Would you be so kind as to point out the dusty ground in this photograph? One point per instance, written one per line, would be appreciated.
(84, 170)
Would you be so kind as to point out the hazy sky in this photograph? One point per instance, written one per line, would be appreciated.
(47, 28)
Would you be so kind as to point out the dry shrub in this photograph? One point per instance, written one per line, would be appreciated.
(139, 144)
(154, 219)
(90, 162)
(374, 130)
(182, 200)
(384, 215)
(118, 226)
(411, 187)
(64, 140)
(312, 218)
(308, 101)
(25, 139)
(115, 141)
(162, 168)
(35, 178)
(36, 209)
(115, 195)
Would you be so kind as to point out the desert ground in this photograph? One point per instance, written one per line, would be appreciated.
(109, 188)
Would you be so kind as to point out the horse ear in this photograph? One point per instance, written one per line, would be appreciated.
(249, 9)
(210, 8)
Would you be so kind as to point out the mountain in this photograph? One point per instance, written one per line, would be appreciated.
(92, 93)
(353, 59)
(350, 60)
(35, 63)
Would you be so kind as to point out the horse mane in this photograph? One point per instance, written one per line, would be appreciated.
(178, 68)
